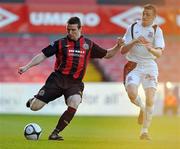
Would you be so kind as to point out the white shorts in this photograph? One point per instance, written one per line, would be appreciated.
(145, 74)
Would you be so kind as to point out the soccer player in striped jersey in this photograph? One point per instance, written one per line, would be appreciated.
(72, 56)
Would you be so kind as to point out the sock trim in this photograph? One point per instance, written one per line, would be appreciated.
(71, 110)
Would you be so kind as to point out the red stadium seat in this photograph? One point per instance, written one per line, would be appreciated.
(17, 51)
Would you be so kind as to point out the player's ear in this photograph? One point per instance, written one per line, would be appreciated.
(80, 28)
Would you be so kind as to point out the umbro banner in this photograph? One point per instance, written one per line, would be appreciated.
(13, 18)
(103, 20)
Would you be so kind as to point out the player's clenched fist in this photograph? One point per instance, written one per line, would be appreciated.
(22, 69)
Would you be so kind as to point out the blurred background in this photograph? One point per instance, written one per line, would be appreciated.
(27, 26)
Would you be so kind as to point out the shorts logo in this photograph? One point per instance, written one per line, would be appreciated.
(149, 77)
(41, 92)
(86, 46)
(129, 79)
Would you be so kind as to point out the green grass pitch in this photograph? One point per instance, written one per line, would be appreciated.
(91, 133)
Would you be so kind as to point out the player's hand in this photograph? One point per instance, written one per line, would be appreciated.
(149, 46)
(142, 41)
(23, 69)
(120, 41)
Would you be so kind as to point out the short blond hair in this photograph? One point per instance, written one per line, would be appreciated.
(151, 7)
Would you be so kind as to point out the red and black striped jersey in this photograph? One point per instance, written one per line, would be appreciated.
(72, 56)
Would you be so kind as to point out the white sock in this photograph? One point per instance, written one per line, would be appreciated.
(138, 102)
(144, 130)
(147, 118)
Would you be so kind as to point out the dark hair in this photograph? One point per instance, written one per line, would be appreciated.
(151, 7)
(74, 20)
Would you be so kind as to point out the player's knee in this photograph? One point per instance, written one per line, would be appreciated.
(74, 104)
(149, 102)
(74, 101)
(132, 92)
(36, 105)
(132, 96)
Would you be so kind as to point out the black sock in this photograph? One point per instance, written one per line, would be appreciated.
(65, 119)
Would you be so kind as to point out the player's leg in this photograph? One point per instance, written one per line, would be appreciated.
(35, 104)
(132, 91)
(132, 78)
(132, 82)
(49, 92)
(73, 97)
(149, 84)
(72, 103)
(44, 96)
(150, 93)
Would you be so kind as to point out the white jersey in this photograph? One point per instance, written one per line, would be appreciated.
(139, 53)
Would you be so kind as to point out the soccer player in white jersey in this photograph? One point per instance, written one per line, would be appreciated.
(144, 42)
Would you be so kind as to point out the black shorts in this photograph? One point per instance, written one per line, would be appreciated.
(57, 85)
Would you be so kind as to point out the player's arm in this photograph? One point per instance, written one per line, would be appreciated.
(129, 42)
(155, 51)
(127, 47)
(159, 44)
(99, 52)
(112, 51)
(35, 61)
(46, 52)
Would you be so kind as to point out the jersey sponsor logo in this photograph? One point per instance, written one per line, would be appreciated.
(132, 15)
(76, 53)
(7, 17)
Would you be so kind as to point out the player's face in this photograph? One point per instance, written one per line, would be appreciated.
(73, 31)
(148, 17)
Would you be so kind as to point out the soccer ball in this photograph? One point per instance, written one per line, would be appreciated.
(32, 131)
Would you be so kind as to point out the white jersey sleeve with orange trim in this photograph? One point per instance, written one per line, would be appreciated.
(159, 39)
(127, 36)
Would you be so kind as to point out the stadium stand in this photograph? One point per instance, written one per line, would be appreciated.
(168, 67)
(111, 68)
(17, 51)
(168, 63)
